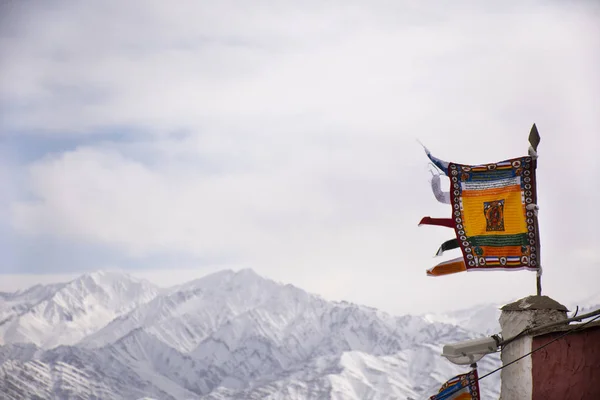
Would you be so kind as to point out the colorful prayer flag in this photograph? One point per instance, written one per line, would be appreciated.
(494, 228)
(494, 215)
(460, 387)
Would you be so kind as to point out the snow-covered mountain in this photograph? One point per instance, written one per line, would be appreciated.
(481, 318)
(230, 335)
(61, 314)
(484, 318)
(185, 315)
(586, 305)
(17, 303)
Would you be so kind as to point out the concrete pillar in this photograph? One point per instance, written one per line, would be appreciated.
(526, 313)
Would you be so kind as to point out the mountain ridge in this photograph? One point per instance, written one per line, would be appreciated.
(65, 313)
(233, 335)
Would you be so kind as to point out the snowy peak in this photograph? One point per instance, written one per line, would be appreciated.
(185, 315)
(65, 313)
(221, 316)
(32, 294)
(227, 282)
(117, 291)
(17, 303)
(482, 318)
(227, 335)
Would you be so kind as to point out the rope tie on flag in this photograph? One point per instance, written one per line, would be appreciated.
(533, 207)
(532, 153)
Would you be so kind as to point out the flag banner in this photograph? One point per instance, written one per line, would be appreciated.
(493, 216)
(494, 227)
(448, 267)
(461, 387)
(447, 222)
(447, 245)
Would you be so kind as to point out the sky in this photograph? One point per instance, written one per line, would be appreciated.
(170, 142)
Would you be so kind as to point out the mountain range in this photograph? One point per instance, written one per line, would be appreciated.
(229, 335)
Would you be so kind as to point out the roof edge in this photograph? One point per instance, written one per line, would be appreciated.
(534, 303)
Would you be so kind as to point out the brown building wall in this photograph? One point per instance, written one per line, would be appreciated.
(568, 368)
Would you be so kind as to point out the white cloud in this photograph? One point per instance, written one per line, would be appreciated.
(283, 135)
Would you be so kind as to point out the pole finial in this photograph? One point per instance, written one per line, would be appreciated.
(534, 137)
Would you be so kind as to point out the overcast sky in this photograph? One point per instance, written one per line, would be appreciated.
(173, 139)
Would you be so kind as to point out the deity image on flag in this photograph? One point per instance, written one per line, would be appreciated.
(461, 387)
(494, 215)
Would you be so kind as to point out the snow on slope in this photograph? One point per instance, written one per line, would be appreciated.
(249, 326)
(413, 373)
(185, 315)
(19, 302)
(138, 365)
(36, 379)
(149, 356)
(482, 318)
(237, 335)
(53, 315)
(586, 305)
(263, 339)
(69, 371)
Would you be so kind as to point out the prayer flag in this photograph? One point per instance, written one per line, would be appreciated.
(493, 225)
(461, 387)
(494, 214)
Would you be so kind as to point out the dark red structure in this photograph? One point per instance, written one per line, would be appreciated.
(569, 368)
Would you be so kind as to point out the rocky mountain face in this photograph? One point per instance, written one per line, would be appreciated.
(230, 335)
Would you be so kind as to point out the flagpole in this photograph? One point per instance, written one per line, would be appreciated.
(534, 141)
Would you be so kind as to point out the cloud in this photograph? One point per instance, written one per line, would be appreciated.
(282, 135)
(205, 64)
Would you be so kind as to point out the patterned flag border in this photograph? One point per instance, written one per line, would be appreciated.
(468, 179)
